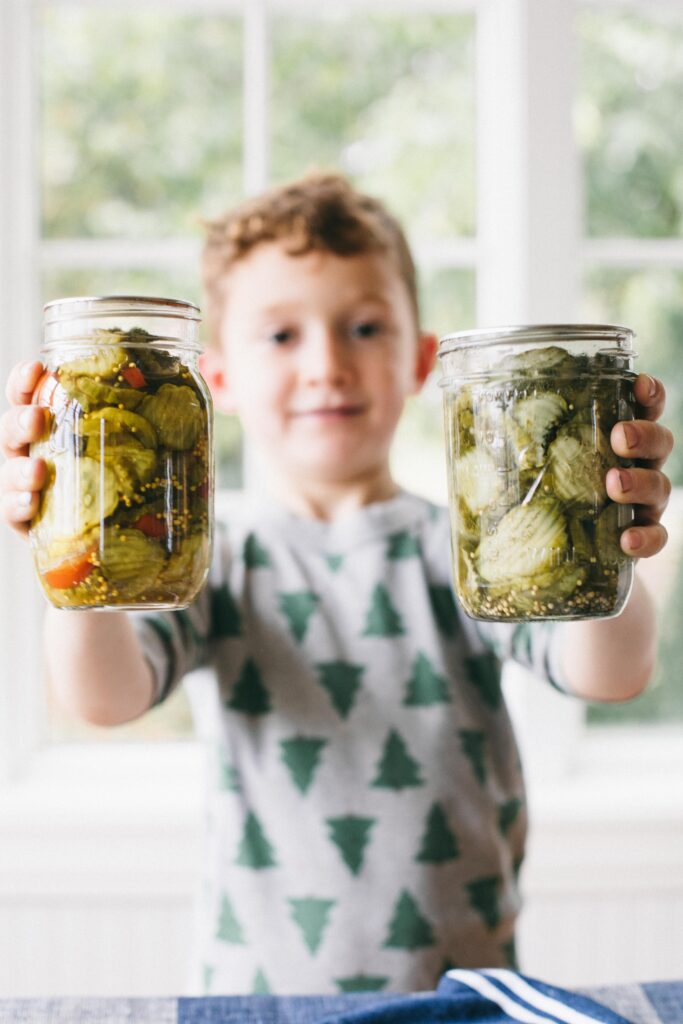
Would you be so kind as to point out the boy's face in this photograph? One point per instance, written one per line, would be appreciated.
(319, 353)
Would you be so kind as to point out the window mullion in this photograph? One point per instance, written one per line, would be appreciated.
(528, 175)
(256, 84)
(20, 605)
(528, 244)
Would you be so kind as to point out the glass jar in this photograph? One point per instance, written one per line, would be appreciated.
(528, 415)
(125, 519)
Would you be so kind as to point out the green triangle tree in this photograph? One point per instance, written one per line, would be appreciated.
(255, 555)
(397, 769)
(334, 562)
(509, 951)
(508, 814)
(229, 928)
(444, 610)
(426, 686)
(438, 842)
(408, 929)
(522, 643)
(382, 619)
(342, 681)
(301, 754)
(311, 915)
(483, 672)
(403, 545)
(228, 777)
(225, 615)
(361, 983)
(483, 897)
(351, 835)
(250, 694)
(255, 851)
(473, 744)
(207, 978)
(297, 608)
(260, 986)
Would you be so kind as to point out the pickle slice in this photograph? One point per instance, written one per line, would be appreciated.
(529, 539)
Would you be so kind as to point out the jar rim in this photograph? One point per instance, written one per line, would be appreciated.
(534, 333)
(81, 306)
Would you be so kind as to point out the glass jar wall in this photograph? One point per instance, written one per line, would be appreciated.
(125, 519)
(528, 416)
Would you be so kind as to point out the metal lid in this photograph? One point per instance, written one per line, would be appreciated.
(533, 333)
(85, 306)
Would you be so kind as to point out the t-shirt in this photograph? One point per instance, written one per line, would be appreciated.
(366, 814)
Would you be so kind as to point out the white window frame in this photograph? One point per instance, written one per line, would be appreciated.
(527, 256)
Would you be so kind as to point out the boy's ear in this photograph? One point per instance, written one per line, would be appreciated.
(427, 345)
(212, 368)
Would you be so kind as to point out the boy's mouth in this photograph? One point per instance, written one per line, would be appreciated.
(330, 412)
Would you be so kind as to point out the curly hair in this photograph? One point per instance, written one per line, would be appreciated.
(318, 212)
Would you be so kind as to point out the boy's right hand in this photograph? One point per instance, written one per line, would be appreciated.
(21, 477)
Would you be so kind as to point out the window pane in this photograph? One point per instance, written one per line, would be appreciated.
(447, 299)
(651, 301)
(141, 120)
(628, 119)
(389, 100)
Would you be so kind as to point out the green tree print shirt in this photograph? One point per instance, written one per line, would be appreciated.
(366, 816)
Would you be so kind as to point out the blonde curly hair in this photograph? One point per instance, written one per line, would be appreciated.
(321, 211)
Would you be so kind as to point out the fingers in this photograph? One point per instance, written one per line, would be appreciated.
(21, 480)
(20, 426)
(637, 486)
(642, 439)
(645, 540)
(650, 395)
(21, 477)
(22, 382)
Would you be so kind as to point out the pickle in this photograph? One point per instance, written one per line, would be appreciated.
(124, 517)
(176, 414)
(537, 536)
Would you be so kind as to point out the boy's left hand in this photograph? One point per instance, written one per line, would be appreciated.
(643, 485)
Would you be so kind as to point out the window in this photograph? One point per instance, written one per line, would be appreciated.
(630, 136)
(122, 191)
(129, 121)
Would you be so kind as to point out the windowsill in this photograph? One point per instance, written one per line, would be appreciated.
(618, 775)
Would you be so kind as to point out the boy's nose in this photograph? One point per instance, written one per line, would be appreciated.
(325, 359)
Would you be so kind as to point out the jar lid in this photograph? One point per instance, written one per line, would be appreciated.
(121, 305)
(532, 333)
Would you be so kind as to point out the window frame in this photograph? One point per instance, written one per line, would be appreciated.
(525, 272)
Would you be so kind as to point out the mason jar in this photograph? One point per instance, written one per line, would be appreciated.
(125, 519)
(528, 415)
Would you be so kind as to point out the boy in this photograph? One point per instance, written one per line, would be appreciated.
(366, 816)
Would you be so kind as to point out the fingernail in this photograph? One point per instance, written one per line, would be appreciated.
(625, 480)
(652, 386)
(27, 471)
(26, 372)
(24, 498)
(630, 435)
(634, 540)
(25, 417)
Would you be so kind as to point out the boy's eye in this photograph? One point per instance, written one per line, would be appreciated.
(282, 336)
(366, 329)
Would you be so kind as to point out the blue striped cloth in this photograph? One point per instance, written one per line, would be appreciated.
(492, 996)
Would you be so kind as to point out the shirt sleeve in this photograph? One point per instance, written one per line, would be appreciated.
(535, 645)
(178, 642)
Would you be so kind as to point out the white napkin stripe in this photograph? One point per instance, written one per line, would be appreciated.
(479, 983)
(538, 999)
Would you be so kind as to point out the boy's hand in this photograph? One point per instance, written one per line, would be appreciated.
(644, 485)
(21, 477)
